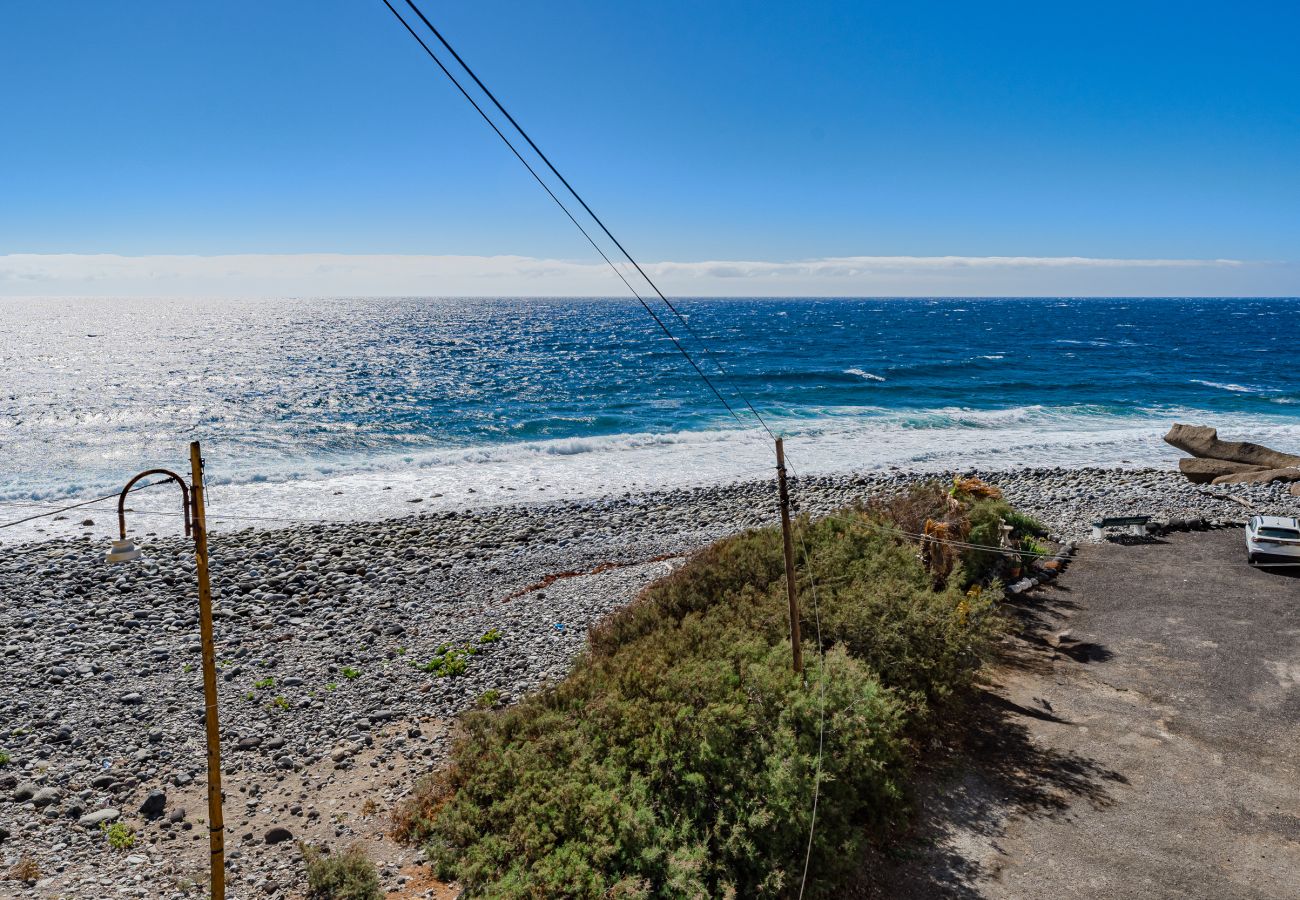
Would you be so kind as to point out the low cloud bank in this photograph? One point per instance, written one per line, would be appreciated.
(338, 274)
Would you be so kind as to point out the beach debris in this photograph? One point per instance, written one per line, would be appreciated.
(1229, 462)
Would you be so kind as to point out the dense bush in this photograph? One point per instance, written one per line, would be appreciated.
(679, 758)
(985, 517)
(349, 875)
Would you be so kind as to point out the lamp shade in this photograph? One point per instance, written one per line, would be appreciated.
(123, 551)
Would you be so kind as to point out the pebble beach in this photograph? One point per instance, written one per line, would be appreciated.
(336, 645)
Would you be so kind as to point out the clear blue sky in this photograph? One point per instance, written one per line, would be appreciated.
(701, 130)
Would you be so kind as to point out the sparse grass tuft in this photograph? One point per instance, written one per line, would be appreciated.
(279, 703)
(5, 758)
(264, 683)
(349, 875)
(491, 637)
(26, 869)
(350, 673)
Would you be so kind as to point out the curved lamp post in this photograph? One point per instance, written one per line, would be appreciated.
(124, 550)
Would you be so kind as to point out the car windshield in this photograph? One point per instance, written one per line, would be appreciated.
(1287, 534)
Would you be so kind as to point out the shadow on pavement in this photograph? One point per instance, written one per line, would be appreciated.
(989, 773)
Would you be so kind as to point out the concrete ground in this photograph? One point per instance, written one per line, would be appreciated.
(1149, 752)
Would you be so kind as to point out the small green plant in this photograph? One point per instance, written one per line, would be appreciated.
(278, 703)
(187, 668)
(491, 637)
(447, 662)
(349, 875)
(350, 673)
(264, 683)
(250, 696)
(488, 699)
(332, 686)
(5, 758)
(1031, 550)
(119, 835)
(401, 651)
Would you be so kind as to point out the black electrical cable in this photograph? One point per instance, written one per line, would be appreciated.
(672, 337)
(61, 509)
(578, 197)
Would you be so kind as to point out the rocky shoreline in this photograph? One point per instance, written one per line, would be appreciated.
(341, 650)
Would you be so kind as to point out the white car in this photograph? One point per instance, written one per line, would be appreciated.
(1273, 539)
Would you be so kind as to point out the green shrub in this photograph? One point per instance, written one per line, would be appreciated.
(679, 757)
(447, 662)
(349, 875)
(4, 758)
(878, 601)
(986, 518)
(119, 835)
(350, 673)
(488, 699)
(491, 637)
(1031, 551)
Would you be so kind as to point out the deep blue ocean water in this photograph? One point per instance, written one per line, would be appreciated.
(296, 400)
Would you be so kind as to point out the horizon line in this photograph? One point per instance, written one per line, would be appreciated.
(462, 275)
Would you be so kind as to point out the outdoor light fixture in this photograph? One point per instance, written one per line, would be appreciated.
(125, 550)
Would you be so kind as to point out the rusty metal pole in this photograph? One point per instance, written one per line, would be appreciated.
(796, 642)
(216, 826)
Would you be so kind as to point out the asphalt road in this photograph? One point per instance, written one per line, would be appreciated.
(1151, 753)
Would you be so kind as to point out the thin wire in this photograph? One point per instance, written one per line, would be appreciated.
(78, 505)
(538, 150)
(551, 194)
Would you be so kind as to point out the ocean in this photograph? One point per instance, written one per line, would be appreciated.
(329, 409)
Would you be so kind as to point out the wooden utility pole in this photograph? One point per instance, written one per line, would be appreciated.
(796, 642)
(216, 827)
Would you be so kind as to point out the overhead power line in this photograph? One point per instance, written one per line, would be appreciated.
(63, 509)
(486, 118)
(569, 187)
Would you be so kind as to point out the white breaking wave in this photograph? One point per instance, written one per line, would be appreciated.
(363, 487)
(1235, 388)
(866, 376)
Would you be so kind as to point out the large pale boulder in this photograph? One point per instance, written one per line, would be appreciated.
(1203, 441)
(1203, 471)
(1264, 476)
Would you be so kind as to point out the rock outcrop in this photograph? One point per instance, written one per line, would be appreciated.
(1263, 476)
(1204, 471)
(1229, 462)
(1203, 441)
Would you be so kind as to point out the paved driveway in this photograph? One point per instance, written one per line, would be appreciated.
(1151, 753)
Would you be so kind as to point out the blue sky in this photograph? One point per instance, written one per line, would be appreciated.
(700, 130)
